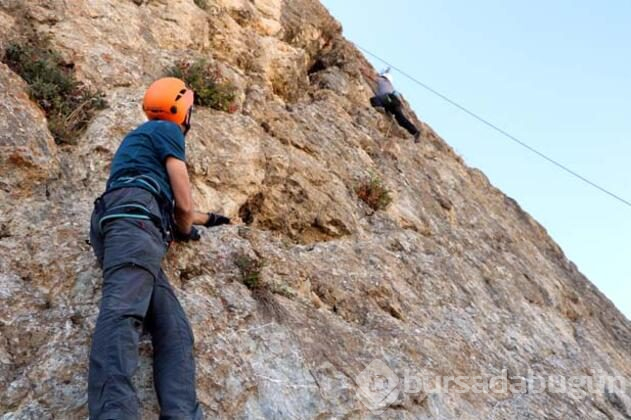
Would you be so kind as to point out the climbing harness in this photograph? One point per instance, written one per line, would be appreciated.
(125, 181)
(137, 210)
(128, 211)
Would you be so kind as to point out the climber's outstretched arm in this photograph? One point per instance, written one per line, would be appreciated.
(185, 216)
(180, 183)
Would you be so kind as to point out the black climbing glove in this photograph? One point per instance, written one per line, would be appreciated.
(216, 220)
(193, 235)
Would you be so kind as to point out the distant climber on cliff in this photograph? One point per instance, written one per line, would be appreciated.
(389, 99)
(146, 205)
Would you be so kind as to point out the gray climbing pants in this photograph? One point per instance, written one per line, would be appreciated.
(136, 296)
(393, 106)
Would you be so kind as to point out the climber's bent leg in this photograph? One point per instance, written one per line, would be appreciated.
(403, 121)
(173, 362)
(127, 291)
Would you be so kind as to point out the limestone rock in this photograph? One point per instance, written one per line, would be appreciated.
(28, 154)
(452, 279)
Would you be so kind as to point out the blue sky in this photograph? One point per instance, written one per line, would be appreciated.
(556, 75)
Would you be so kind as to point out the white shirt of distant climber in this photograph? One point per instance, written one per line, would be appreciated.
(384, 87)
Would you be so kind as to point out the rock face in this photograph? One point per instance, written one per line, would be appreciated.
(452, 279)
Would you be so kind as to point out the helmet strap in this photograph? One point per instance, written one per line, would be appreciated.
(187, 121)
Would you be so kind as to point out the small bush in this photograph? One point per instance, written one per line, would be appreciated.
(262, 292)
(68, 104)
(250, 269)
(202, 4)
(374, 193)
(210, 88)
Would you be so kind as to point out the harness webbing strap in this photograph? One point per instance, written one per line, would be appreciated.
(130, 206)
(129, 211)
(121, 216)
(145, 180)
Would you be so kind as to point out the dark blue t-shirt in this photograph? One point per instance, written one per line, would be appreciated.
(140, 160)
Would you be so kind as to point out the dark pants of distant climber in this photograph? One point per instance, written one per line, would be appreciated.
(137, 295)
(393, 106)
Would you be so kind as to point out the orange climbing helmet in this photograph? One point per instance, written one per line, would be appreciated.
(169, 99)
